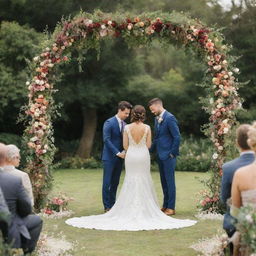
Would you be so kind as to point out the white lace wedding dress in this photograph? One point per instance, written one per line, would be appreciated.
(136, 207)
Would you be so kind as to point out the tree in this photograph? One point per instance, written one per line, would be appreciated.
(17, 43)
(101, 82)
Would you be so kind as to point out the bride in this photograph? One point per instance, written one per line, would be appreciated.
(136, 207)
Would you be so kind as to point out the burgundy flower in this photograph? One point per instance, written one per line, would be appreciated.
(157, 26)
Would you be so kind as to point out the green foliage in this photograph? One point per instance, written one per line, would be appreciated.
(195, 155)
(246, 225)
(17, 43)
(10, 138)
(6, 249)
(79, 163)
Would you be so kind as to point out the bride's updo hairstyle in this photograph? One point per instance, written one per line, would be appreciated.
(252, 137)
(138, 114)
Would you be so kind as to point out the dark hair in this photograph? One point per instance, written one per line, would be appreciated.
(242, 136)
(138, 114)
(154, 101)
(122, 105)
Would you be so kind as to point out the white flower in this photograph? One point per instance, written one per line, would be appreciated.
(103, 33)
(36, 58)
(27, 83)
(37, 81)
(217, 67)
(47, 49)
(215, 156)
(109, 22)
(103, 26)
(220, 148)
(249, 218)
(33, 139)
(129, 26)
(236, 70)
(225, 121)
(211, 100)
(224, 62)
(230, 73)
(225, 130)
(50, 65)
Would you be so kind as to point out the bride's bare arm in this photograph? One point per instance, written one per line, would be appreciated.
(125, 140)
(149, 138)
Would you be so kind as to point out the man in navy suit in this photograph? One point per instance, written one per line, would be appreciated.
(246, 157)
(166, 142)
(113, 153)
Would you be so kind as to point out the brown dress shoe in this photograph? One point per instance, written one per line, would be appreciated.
(169, 212)
(163, 209)
(106, 210)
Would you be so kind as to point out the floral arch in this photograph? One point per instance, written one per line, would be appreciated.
(221, 102)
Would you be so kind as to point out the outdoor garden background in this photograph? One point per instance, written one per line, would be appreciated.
(89, 90)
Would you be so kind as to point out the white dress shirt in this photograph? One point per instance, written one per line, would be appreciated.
(119, 122)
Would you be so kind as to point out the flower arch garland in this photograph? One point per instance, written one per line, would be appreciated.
(88, 29)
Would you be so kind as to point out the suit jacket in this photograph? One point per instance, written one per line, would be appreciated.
(112, 138)
(229, 170)
(25, 180)
(19, 205)
(4, 216)
(167, 137)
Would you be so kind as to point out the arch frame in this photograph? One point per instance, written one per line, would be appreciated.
(86, 31)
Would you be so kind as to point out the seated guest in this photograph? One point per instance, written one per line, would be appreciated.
(4, 216)
(247, 156)
(25, 228)
(244, 183)
(12, 161)
(244, 187)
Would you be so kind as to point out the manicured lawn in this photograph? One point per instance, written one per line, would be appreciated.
(85, 187)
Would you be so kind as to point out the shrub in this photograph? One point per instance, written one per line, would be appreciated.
(9, 138)
(195, 155)
(79, 163)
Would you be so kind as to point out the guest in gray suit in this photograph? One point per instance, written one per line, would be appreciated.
(25, 227)
(4, 216)
(247, 156)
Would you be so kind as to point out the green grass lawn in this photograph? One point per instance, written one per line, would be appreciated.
(85, 187)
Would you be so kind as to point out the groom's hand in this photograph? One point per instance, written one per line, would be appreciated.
(121, 155)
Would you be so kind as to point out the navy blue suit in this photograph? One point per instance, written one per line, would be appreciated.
(166, 143)
(112, 164)
(229, 170)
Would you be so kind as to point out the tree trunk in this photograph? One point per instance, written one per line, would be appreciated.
(89, 128)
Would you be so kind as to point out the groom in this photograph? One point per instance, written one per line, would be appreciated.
(113, 154)
(166, 142)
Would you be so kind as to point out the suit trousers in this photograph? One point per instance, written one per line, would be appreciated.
(167, 175)
(111, 176)
(34, 225)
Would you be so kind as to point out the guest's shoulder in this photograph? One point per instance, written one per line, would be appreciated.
(8, 177)
(20, 173)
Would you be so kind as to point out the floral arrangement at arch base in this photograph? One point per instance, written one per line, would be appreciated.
(86, 31)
